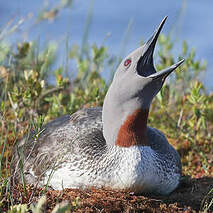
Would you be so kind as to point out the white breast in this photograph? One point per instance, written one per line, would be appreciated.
(134, 168)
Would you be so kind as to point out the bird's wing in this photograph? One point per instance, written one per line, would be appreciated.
(57, 140)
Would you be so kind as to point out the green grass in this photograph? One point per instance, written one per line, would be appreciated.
(182, 109)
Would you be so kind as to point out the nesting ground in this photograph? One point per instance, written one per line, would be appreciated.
(191, 196)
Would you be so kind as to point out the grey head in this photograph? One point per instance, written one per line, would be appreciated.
(135, 84)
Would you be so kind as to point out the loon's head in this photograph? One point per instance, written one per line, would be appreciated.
(136, 76)
(134, 85)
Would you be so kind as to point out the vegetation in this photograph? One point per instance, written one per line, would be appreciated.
(183, 109)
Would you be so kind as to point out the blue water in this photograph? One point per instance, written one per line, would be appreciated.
(189, 20)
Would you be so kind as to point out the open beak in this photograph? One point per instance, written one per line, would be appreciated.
(165, 72)
(145, 66)
(150, 44)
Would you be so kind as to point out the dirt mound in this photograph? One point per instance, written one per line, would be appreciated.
(191, 196)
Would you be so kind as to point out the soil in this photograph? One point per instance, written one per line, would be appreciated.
(191, 196)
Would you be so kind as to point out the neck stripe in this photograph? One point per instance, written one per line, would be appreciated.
(133, 130)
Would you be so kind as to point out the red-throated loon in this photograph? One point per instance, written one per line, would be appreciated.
(111, 146)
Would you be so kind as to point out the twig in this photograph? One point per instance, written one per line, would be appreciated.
(180, 118)
(48, 92)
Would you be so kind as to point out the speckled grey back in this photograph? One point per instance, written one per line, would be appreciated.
(57, 139)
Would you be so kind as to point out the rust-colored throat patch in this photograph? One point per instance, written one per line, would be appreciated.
(133, 130)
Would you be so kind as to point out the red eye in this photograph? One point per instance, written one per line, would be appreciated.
(127, 62)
